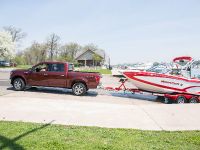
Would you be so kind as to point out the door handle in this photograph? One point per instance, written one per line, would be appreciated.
(62, 75)
(45, 74)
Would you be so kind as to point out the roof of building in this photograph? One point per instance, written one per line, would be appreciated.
(98, 52)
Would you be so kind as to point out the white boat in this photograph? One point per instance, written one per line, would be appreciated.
(163, 82)
(139, 66)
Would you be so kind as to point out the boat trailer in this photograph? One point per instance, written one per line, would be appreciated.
(179, 98)
(122, 87)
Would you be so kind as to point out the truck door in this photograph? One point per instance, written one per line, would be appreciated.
(38, 75)
(56, 75)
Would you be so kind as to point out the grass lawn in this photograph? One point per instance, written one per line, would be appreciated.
(102, 71)
(19, 67)
(18, 135)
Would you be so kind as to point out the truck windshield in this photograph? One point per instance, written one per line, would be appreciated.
(71, 67)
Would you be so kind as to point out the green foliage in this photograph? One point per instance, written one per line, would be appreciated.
(70, 50)
(18, 135)
(91, 47)
(65, 58)
(24, 66)
(20, 60)
(35, 53)
(102, 71)
(97, 57)
(39, 52)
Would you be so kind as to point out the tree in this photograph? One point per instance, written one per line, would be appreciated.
(16, 33)
(70, 51)
(97, 59)
(36, 53)
(90, 47)
(52, 43)
(20, 59)
(6, 45)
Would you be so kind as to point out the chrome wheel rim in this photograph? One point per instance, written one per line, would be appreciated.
(193, 100)
(79, 90)
(17, 85)
(166, 100)
(181, 100)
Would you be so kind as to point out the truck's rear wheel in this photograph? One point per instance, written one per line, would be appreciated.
(19, 84)
(79, 89)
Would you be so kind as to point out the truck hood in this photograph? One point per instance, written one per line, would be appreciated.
(19, 70)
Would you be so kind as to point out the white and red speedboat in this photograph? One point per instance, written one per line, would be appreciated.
(165, 83)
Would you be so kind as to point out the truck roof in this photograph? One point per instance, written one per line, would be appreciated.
(58, 62)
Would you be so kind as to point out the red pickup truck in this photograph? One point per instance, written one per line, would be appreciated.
(55, 74)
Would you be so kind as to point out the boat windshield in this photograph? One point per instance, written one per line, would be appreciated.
(195, 69)
(159, 69)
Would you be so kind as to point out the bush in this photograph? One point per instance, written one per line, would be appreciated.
(19, 60)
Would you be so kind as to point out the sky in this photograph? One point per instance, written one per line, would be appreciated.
(128, 30)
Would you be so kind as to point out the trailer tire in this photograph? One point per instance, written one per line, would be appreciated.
(180, 100)
(167, 100)
(193, 100)
(160, 98)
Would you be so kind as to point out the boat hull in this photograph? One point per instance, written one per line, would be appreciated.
(161, 83)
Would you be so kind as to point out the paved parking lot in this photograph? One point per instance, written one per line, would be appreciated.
(97, 108)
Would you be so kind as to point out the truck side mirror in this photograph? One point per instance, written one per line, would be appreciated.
(37, 69)
(30, 69)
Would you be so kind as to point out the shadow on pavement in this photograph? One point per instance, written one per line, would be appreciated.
(52, 90)
(129, 95)
(94, 93)
(11, 143)
(135, 96)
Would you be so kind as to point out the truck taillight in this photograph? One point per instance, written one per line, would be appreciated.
(97, 79)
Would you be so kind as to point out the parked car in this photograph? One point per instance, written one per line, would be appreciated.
(55, 74)
(4, 64)
(12, 64)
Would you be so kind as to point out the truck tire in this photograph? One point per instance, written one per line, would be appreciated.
(19, 84)
(79, 89)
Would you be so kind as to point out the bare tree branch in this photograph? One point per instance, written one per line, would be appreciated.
(52, 42)
(16, 33)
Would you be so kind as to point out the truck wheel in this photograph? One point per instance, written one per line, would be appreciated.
(19, 84)
(181, 100)
(194, 100)
(79, 89)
